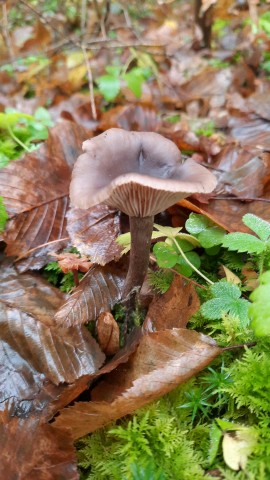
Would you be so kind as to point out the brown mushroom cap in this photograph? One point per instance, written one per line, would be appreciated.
(139, 173)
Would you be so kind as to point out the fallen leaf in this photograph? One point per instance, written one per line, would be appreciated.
(98, 291)
(174, 308)
(130, 117)
(162, 361)
(237, 447)
(32, 352)
(35, 191)
(72, 261)
(108, 333)
(31, 450)
(94, 231)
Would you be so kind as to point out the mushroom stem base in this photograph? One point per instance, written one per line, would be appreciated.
(141, 232)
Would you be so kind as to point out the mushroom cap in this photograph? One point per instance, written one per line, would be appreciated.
(139, 173)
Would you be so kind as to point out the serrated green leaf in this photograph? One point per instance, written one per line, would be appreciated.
(109, 86)
(258, 225)
(259, 310)
(165, 254)
(226, 301)
(3, 215)
(243, 242)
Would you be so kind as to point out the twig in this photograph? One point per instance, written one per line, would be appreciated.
(26, 254)
(244, 199)
(232, 347)
(5, 31)
(83, 16)
(90, 83)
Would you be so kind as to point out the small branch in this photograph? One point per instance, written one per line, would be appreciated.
(83, 16)
(233, 347)
(90, 83)
(243, 199)
(26, 254)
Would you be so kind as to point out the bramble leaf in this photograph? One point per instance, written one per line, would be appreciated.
(258, 225)
(243, 242)
(226, 300)
(259, 310)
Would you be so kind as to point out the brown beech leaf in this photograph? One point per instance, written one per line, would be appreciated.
(130, 117)
(244, 171)
(29, 293)
(253, 131)
(35, 191)
(93, 232)
(108, 333)
(31, 351)
(231, 212)
(98, 291)
(162, 361)
(31, 450)
(174, 308)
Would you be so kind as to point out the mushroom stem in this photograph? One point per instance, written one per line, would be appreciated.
(141, 232)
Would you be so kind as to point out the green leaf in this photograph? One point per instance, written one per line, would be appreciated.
(184, 268)
(43, 116)
(258, 225)
(166, 255)
(185, 245)
(207, 232)
(134, 80)
(170, 232)
(215, 437)
(259, 310)
(243, 242)
(109, 86)
(3, 215)
(226, 301)
(9, 120)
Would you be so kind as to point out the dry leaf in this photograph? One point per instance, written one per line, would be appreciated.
(98, 291)
(108, 333)
(72, 261)
(162, 361)
(93, 232)
(130, 117)
(174, 308)
(31, 450)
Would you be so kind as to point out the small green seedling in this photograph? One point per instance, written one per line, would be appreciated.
(3, 215)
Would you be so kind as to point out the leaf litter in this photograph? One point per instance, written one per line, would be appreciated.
(49, 355)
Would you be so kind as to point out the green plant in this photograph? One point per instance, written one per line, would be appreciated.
(259, 310)
(109, 85)
(20, 132)
(207, 129)
(55, 275)
(3, 215)
(245, 242)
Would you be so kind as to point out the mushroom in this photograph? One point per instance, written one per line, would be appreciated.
(141, 174)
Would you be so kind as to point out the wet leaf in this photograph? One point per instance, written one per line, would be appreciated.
(31, 450)
(108, 333)
(35, 191)
(32, 352)
(99, 290)
(130, 117)
(72, 261)
(162, 361)
(94, 231)
(174, 308)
